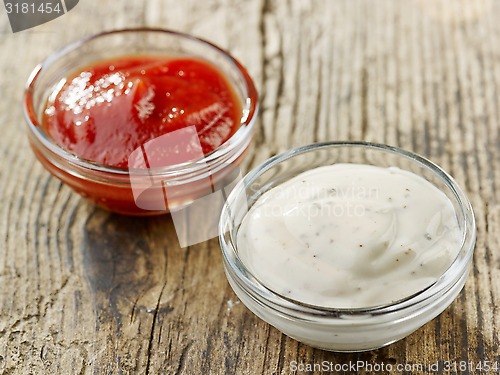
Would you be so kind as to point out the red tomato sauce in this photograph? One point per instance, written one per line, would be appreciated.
(105, 111)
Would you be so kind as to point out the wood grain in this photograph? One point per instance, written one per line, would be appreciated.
(83, 291)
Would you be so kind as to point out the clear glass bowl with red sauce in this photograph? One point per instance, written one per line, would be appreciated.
(131, 150)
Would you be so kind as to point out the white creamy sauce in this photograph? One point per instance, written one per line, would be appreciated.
(350, 236)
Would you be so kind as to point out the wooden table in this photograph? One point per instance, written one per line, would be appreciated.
(83, 291)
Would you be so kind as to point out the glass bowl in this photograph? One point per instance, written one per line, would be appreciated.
(342, 329)
(139, 191)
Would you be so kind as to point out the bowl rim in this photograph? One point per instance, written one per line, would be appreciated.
(252, 286)
(249, 110)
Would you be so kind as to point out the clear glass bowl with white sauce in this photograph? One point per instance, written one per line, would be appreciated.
(344, 329)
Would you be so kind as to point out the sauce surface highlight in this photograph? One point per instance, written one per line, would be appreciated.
(105, 111)
(350, 236)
